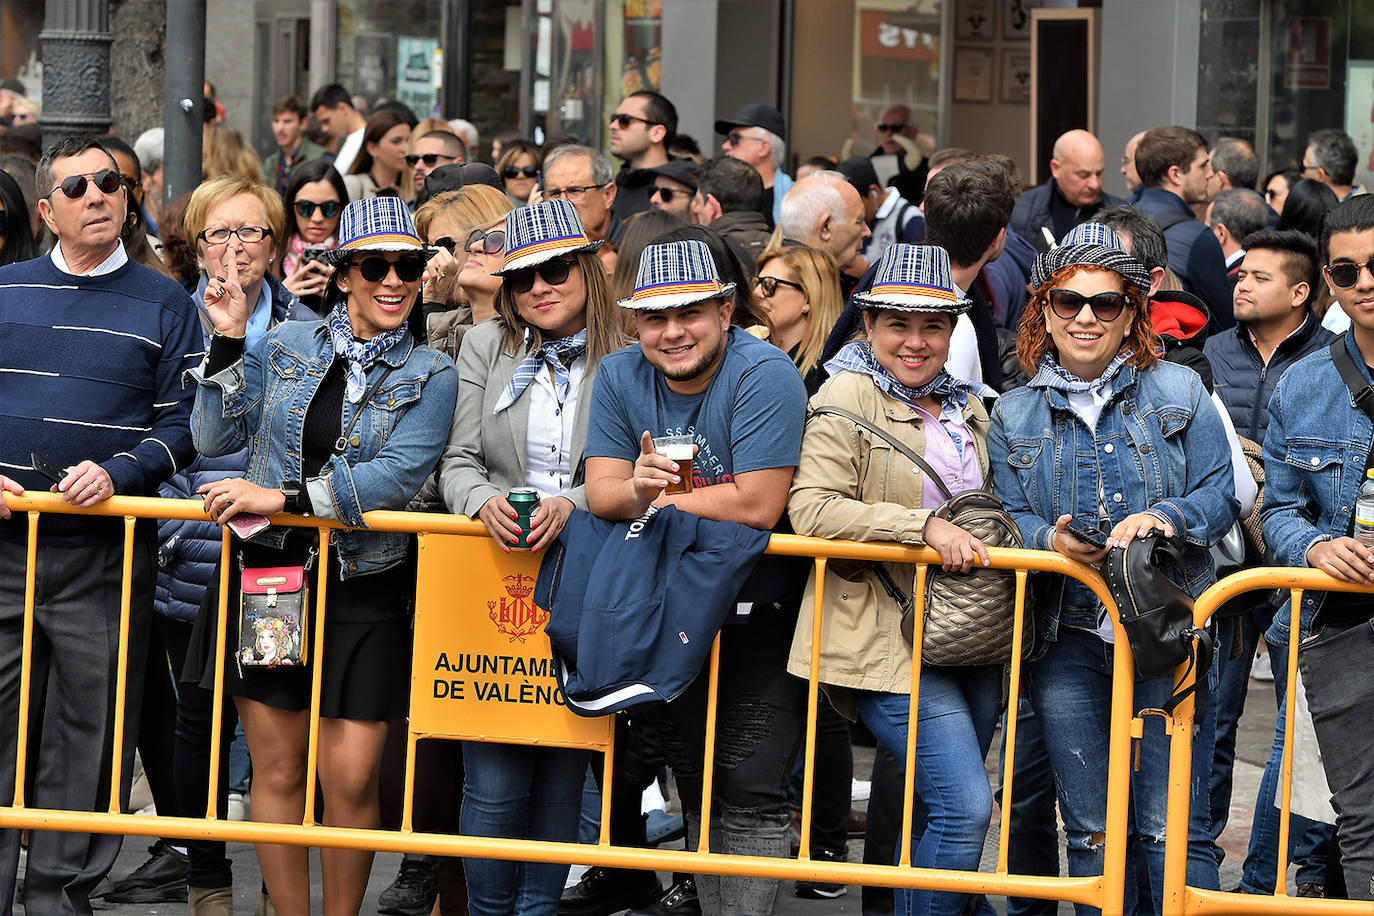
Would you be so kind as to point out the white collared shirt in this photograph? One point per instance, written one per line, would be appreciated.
(963, 361)
(117, 259)
(349, 148)
(548, 435)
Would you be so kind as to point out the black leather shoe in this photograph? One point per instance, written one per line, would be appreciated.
(678, 900)
(609, 890)
(161, 879)
(415, 889)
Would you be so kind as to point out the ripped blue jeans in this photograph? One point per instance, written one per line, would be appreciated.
(1071, 689)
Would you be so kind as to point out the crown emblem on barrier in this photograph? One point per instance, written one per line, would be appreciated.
(514, 613)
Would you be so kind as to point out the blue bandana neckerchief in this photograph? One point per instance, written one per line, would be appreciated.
(358, 354)
(1049, 374)
(858, 357)
(557, 354)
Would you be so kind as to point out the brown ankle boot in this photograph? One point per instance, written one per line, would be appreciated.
(211, 901)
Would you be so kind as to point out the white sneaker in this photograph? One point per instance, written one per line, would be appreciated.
(1262, 670)
(859, 789)
(238, 808)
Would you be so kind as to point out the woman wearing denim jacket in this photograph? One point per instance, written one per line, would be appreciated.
(852, 484)
(291, 399)
(1109, 436)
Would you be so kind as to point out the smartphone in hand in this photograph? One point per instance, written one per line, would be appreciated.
(248, 524)
(1088, 532)
(47, 468)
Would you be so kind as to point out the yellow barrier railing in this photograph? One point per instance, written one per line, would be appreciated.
(439, 536)
(1179, 897)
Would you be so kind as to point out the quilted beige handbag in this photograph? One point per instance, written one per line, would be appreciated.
(969, 617)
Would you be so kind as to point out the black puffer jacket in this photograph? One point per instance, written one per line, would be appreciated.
(1245, 383)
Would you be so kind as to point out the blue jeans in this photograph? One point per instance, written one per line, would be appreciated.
(515, 791)
(956, 717)
(1308, 840)
(1071, 689)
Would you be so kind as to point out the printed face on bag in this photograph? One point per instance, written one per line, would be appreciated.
(912, 346)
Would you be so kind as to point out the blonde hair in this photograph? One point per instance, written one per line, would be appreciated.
(216, 191)
(819, 277)
(471, 206)
(227, 154)
(605, 328)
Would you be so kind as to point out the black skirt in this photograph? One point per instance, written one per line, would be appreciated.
(367, 639)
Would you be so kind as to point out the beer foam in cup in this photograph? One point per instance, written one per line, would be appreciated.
(676, 452)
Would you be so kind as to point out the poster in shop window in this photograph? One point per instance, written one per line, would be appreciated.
(1359, 117)
(415, 74)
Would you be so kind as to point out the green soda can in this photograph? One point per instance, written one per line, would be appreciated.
(523, 500)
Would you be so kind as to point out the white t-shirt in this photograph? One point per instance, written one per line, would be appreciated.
(348, 151)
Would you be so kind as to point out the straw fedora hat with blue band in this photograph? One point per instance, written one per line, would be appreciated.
(675, 274)
(914, 278)
(376, 224)
(542, 232)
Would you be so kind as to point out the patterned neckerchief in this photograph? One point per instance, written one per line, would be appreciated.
(858, 357)
(1049, 374)
(557, 354)
(358, 354)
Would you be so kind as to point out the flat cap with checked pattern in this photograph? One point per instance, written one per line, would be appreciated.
(541, 233)
(376, 224)
(675, 274)
(1091, 244)
(913, 278)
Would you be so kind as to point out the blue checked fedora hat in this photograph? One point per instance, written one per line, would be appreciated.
(376, 224)
(914, 278)
(1091, 244)
(541, 233)
(674, 274)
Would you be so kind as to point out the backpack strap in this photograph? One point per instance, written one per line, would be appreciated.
(1169, 220)
(1360, 390)
(902, 447)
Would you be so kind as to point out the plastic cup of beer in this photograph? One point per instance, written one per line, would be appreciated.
(678, 449)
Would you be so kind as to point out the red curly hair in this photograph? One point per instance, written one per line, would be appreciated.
(1033, 339)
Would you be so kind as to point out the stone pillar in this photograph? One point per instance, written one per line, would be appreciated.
(76, 41)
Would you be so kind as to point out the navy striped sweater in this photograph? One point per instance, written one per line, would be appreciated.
(91, 367)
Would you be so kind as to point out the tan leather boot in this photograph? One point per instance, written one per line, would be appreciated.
(211, 901)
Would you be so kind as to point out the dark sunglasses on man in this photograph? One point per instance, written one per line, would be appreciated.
(515, 171)
(74, 186)
(375, 270)
(552, 272)
(1346, 274)
(667, 194)
(1108, 306)
(891, 128)
(306, 208)
(429, 159)
(623, 121)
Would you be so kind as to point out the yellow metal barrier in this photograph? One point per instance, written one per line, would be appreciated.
(461, 568)
(1179, 897)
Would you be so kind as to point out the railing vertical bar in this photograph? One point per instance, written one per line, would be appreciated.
(918, 615)
(1118, 770)
(222, 660)
(312, 755)
(21, 744)
(1290, 702)
(607, 769)
(1009, 738)
(126, 594)
(813, 689)
(708, 760)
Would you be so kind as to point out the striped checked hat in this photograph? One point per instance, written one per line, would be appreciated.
(541, 233)
(913, 278)
(675, 274)
(376, 224)
(1091, 244)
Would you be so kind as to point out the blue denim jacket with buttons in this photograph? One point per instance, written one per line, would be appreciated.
(1159, 446)
(262, 400)
(1315, 454)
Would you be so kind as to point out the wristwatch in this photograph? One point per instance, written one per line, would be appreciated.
(297, 502)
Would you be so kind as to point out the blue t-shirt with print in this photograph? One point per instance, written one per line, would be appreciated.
(750, 418)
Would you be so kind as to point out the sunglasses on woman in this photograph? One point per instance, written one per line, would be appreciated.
(1066, 304)
(1347, 273)
(74, 186)
(306, 208)
(770, 285)
(493, 242)
(374, 270)
(551, 272)
(515, 171)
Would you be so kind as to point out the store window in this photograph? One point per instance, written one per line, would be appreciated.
(392, 50)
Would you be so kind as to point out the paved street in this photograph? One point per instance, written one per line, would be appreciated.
(1256, 735)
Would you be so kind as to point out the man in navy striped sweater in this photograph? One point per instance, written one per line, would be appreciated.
(92, 347)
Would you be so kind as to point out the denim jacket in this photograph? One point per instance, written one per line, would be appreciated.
(1159, 446)
(262, 401)
(1315, 453)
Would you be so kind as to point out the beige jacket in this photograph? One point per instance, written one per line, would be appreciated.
(850, 484)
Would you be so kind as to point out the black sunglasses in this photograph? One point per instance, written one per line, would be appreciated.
(770, 285)
(1346, 274)
(891, 128)
(493, 242)
(667, 194)
(1066, 304)
(625, 120)
(306, 208)
(429, 159)
(515, 171)
(551, 272)
(375, 270)
(74, 186)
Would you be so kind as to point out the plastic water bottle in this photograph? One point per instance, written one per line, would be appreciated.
(1364, 511)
